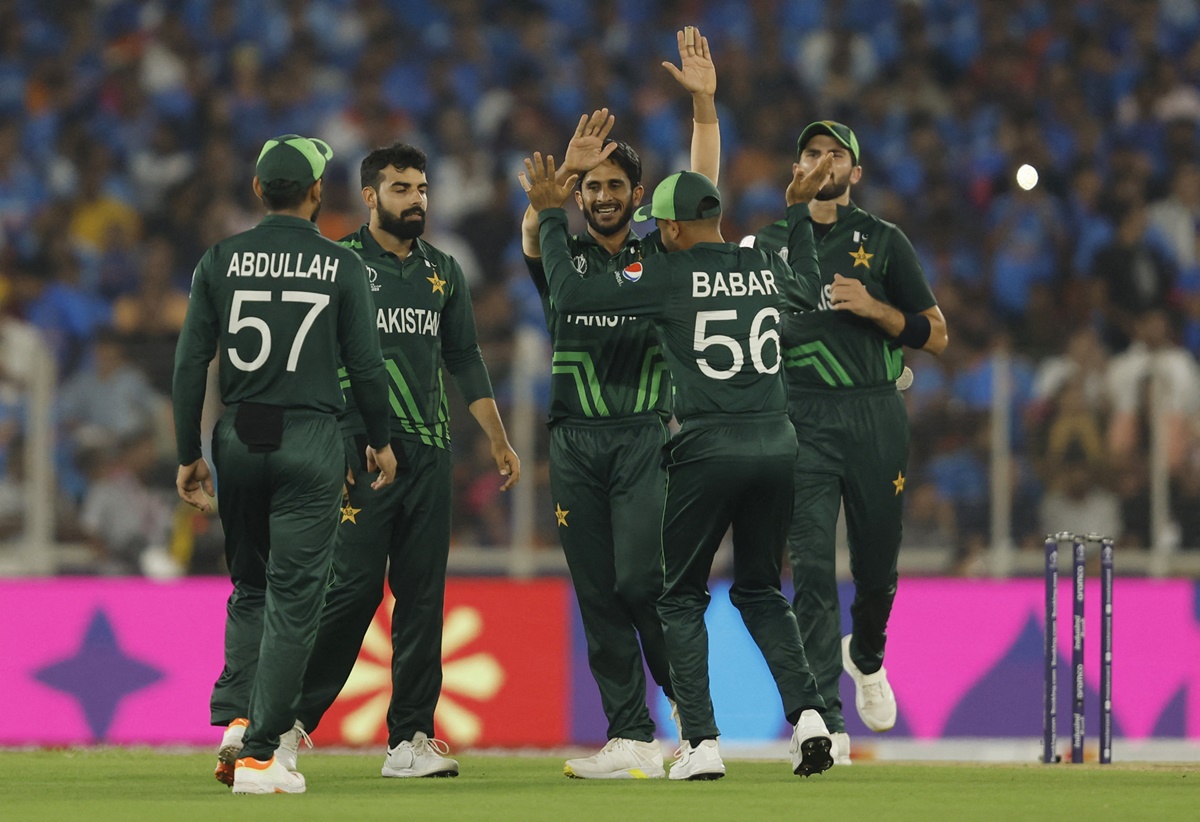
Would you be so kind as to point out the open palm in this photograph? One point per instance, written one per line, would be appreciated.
(697, 73)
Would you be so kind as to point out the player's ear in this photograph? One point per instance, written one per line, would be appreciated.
(579, 198)
(855, 175)
(315, 191)
(638, 192)
(258, 192)
(370, 197)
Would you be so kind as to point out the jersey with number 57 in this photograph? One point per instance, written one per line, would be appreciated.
(717, 308)
(277, 305)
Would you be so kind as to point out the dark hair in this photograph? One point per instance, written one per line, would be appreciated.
(398, 155)
(627, 160)
(283, 195)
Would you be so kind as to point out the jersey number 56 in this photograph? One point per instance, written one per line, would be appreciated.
(757, 342)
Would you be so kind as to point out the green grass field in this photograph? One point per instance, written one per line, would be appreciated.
(142, 784)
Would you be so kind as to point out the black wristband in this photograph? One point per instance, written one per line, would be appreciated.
(916, 331)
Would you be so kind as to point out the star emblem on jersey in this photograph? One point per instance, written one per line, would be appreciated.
(560, 514)
(438, 283)
(348, 514)
(861, 257)
(899, 482)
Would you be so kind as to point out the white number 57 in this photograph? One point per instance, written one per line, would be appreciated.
(237, 322)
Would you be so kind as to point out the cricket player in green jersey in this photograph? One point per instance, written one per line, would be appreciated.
(842, 362)
(610, 399)
(717, 308)
(277, 304)
(424, 319)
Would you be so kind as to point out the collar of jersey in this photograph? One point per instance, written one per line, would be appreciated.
(371, 247)
(631, 239)
(288, 221)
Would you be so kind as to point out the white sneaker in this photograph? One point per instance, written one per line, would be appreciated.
(230, 747)
(620, 759)
(872, 694)
(420, 757)
(701, 762)
(841, 749)
(253, 777)
(675, 718)
(289, 746)
(811, 746)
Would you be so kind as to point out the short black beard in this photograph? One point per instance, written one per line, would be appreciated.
(398, 226)
(615, 228)
(833, 191)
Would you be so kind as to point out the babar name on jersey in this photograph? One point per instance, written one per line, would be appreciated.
(407, 320)
(281, 264)
(733, 284)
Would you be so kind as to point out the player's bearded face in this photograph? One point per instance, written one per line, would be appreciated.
(406, 225)
(607, 203)
(838, 184)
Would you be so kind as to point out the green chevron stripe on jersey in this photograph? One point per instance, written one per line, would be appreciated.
(654, 368)
(817, 355)
(893, 359)
(407, 411)
(580, 366)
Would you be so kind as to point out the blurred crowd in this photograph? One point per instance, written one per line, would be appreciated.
(128, 130)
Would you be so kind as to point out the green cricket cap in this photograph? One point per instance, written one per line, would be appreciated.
(682, 197)
(293, 159)
(837, 131)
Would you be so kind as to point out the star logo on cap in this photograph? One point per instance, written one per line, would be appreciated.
(560, 514)
(861, 257)
(348, 514)
(438, 283)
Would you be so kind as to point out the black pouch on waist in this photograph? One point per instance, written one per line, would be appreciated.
(259, 426)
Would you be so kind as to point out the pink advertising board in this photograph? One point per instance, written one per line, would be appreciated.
(131, 661)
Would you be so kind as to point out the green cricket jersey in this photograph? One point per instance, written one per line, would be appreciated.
(424, 317)
(278, 303)
(605, 365)
(836, 348)
(717, 308)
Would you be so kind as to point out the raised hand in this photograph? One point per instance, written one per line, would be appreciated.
(805, 185)
(697, 73)
(586, 149)
(538, 180)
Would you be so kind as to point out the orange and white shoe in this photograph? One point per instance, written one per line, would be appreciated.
(231, 746)
(250, 776)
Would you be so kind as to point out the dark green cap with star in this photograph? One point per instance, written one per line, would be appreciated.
(292, 159)
(684, 196)
(837, 131)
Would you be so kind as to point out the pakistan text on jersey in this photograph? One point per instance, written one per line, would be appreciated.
(733, 284)
(409, 321)
(600, 320)
(262, 264)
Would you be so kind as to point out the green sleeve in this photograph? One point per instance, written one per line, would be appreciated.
(803, 290)
(359, 343)
(194, 351)
(638, 291)
(904, 279)
(460, 342)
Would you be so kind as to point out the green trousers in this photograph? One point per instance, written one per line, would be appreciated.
(608, 484)
(853, 453)
(401, 531)
(724, 471)
(279, 512)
